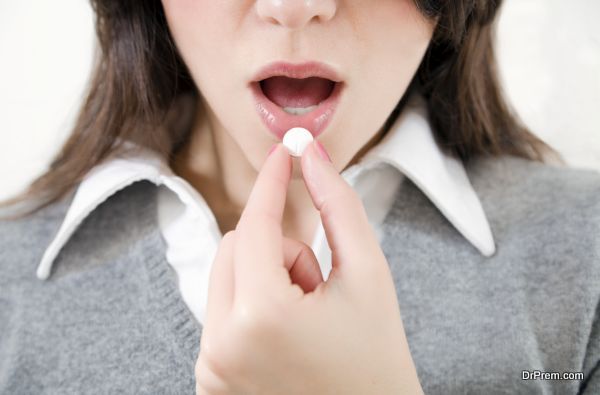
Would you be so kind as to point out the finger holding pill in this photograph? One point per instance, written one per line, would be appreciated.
(269, 307)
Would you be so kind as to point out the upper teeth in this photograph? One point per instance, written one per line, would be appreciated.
(299, 110)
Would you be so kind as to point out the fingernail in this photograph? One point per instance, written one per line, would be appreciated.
(324, 155)
(272, 149)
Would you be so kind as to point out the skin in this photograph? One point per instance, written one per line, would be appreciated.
(224, 43)
(269, 212)
(342, 336)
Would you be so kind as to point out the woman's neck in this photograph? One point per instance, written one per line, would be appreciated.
(213, 163)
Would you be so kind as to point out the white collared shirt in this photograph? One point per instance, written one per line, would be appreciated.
(191, 231)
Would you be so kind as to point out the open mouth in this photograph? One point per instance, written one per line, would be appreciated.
(293, 97)
(297, 96)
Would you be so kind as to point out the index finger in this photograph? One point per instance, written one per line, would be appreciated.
(258, 253)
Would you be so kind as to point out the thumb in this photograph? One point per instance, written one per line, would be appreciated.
(356, 254)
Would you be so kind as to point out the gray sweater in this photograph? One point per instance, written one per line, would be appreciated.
(111, 319)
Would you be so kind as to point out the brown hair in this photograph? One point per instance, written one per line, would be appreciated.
(140, 86)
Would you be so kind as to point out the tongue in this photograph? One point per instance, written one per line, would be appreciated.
(299, 93)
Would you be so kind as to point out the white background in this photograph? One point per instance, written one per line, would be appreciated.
(549, 54)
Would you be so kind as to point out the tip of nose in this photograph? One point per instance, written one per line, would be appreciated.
(295, 14)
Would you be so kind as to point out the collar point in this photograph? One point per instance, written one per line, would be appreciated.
(42, 273)
(488, 250)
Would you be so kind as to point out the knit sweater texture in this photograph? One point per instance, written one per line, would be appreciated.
(111, 319)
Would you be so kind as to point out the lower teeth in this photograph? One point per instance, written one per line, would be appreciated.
(299, 110)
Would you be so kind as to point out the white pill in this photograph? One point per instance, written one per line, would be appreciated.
(296, 140)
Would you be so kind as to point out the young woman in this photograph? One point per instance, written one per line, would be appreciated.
(162, 253)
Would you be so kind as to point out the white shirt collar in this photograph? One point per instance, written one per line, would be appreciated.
(409, 146)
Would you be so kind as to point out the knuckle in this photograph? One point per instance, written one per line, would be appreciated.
(209, 361)
(220, 364)
(209, 381)
(205, 376)
(257, 319)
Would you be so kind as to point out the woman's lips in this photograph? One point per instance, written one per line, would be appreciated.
(279, 121)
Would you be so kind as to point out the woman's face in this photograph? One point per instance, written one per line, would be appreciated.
(375, 47)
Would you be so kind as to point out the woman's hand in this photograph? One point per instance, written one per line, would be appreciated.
(274, 327)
